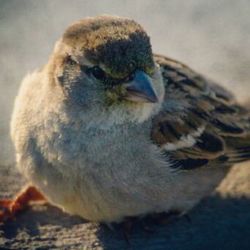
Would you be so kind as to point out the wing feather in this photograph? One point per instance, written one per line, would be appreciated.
(200, 122)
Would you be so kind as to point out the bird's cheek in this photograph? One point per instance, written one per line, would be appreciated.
(115, 94)
(111, 97)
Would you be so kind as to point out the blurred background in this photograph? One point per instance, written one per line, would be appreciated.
(213, 37)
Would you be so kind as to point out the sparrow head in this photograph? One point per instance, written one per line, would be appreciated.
(105, 64)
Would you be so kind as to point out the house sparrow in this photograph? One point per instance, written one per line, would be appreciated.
(107, 129)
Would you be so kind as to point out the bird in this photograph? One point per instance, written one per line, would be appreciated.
(108, 130)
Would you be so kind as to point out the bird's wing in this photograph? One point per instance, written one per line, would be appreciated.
(200, 123)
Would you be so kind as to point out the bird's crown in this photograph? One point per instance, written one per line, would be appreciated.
(119, 45)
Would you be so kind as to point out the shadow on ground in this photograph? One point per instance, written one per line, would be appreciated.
(38, 216)
(217, 223)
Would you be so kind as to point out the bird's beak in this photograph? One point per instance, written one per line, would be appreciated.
(140, 89)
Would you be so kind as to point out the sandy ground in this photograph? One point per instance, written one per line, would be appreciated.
(210, 36)
(221, 221)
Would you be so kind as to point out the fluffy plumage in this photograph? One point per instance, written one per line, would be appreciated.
(107, 129)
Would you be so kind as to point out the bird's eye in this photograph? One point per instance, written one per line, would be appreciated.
(70, 61)
(98, 73)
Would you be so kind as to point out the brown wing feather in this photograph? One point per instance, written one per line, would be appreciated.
(200, 122)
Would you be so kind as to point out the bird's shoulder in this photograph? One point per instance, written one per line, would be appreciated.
(199, 122)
